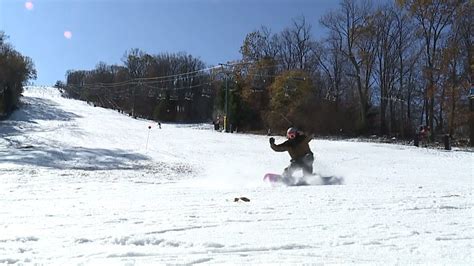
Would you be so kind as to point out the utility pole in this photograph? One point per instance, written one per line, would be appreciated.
(134, 95)
(226, 105)
(226, 118)
(133, 102)
(227, 127)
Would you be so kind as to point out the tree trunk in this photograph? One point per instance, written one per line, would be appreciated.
(402, 119)
(440, 126)
(390, 124)
(453, 111)
(424, 112)
(383, 123)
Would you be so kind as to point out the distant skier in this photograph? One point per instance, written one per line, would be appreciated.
(301, 155)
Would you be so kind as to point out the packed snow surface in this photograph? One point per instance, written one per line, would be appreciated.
(86, 185)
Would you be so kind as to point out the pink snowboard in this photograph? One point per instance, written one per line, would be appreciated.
(272, 178)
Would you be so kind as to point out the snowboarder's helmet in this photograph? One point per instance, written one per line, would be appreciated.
(291, 133)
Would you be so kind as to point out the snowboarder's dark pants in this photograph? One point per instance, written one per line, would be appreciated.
(304, 163)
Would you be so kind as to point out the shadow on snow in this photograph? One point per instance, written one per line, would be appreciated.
(42, 109)
(74, 158)
(33, 109)
(25, 120)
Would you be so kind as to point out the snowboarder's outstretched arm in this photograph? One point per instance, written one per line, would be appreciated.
(309, 137)
(278, 147)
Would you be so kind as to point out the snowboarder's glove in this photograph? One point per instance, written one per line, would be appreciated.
(272, 140)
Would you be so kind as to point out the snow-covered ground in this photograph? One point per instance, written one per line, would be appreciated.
(85, 185)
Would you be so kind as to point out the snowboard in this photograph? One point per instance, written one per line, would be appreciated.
(273, 178)
(276, 179)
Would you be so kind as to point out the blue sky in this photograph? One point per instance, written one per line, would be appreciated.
(103, 30)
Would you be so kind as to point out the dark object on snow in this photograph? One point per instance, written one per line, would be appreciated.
(242, 199)
(447, 142)
(422, 137)
(26, 147)
(416, 141)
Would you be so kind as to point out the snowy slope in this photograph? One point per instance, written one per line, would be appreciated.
(80, 184)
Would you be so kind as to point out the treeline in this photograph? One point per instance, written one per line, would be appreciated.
(15, 71)
(381, 69)
(149, 86)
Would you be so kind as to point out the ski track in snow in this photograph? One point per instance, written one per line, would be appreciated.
(80, 185)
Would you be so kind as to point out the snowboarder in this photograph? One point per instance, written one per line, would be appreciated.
(301, 155)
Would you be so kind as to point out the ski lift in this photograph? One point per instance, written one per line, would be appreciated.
(188, 96)
(151, 93)
(206, 92)
(161, 96)
(174, 97)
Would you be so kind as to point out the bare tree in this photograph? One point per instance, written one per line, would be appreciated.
(408, 52)
(330, 59)
(384, 21)
(433, 19)
(295, 45)
(301, 32)
(455, 67)
(260, 44)
(350, 23)
(135, 63)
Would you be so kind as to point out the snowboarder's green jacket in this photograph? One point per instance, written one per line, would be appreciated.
(297, 147)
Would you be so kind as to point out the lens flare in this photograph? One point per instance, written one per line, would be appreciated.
(29, 5)
(67, 34)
